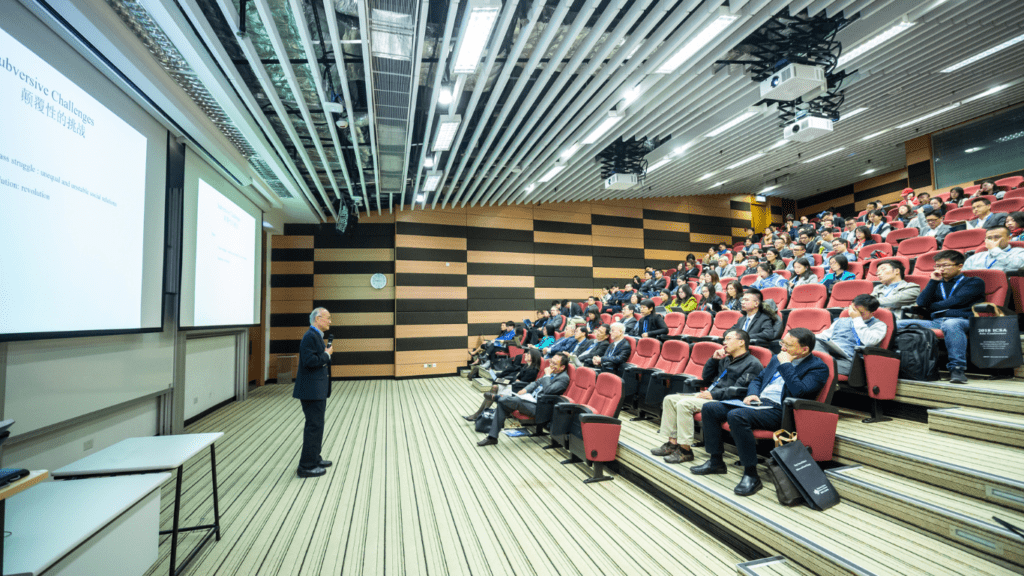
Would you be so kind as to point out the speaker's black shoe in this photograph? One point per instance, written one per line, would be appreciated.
(325, 463)
(310, 472)
(709, 467)
(488, 441)
(748, 485)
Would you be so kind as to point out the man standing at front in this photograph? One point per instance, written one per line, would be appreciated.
(312, 387)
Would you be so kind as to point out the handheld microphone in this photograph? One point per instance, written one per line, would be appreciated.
(330, 340)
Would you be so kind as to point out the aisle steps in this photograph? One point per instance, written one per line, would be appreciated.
(987, 425)
(965, 521)
(999, 395)
(774, 566)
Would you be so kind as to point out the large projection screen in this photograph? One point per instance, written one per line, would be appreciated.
(220, 251)
(82, 176)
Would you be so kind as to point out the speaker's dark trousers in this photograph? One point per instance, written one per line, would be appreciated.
(313, 433)
(506, 406)
(741, 422)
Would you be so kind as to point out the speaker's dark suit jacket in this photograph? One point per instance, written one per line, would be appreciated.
(313, 377)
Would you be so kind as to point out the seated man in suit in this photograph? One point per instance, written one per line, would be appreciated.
(794, 372)
(629, 317)
(725, 269)
(782, 249)
(598, 348)
(570, 343)
(758, 321)
(934, 226)
(554, 381)
(731, 365)
(894, 292)
(998, 254)
(984, 217)
(860, 329)
(616, 354)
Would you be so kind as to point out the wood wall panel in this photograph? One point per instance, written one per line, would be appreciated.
(451, 217)
(710, 239)
(430, 330)
(497, 317)
(293, 242)
(282, 306)
(291, 267)
(430, 356)
(354, 255)
(666, 225)
(500, 281)
(350, 280)
(480, 257)
(363, 344)
(418, 267)
(442, 368)
(611, 233)
(561, 216)
(363, 371)
(431, 242)
(617, 210)
(563, 260)
(498, 223)
(366, 292)
(430, 293)
(293, 293)
(575, 294)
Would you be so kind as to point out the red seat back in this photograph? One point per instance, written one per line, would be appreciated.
(814, 319)
(632, 348)
(959, 215)
(646, 352)
(698, 323)
(875, 251)
(543, 365)
(740, 269)
(965, 240)
(970, 190)
(748, 280)
(779, 295)
(656, 300)
(856, 267)
(819, 271)
(607, 392)
(808, 296)
(996, 285)
(843, 293)
(723, 282)
(581, 385)
(723, 321)
(925, 263)
(674, 356)
(784, 273)
(1008, 205)
(606, 318)
(919, 279)
(675, 322)
(763, 355)
(895, 236)
(700, 353)
(825, 394)
(1015, 193)
(916, 246)
(872, 273)
(1009, 182)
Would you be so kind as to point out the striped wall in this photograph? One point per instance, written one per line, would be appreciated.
(456, 274)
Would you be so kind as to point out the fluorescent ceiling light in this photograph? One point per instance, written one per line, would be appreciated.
(429, 162)
(717, 184)
(432, 181)
(853, 113)
(421, 197)
(973, 150)
(769, 188)
(530, 188)
(988, 92)
(870, 136)
(482, 14)
(613, 117)
(552, 173)
(632, 94)
(658, 164)
(731, 123)
(985, 54)
(700, 40)
(447, 128)
(568, 152)
(445, 97)
(706, 176)
(746, 160)
(267, 224)
(873, 42)
(1010, 137)
(678, 150)
(829, 153)
(868, 171)
(929, 115)
(778, 144)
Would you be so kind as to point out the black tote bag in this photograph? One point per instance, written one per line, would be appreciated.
(994, 340)
(807, 476)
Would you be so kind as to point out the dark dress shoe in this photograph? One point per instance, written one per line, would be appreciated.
(748, 485)
(471, 418)
(709, 467)
(957, 376)
(488, 441)
(325, 463)
(310, 472)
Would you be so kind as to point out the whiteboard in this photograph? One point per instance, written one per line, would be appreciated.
(209, 373)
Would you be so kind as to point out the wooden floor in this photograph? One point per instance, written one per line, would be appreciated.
(410, 493)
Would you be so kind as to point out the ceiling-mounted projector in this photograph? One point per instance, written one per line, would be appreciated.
(620, 181)
(792, 82)
(807, 128)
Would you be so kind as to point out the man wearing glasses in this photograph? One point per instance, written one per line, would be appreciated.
(312, 388)
(935, 227)
(998, 254)
(947, 301)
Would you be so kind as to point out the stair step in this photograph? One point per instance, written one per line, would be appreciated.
(988, 425)
(464, 372)
(774, 566)
(998, 395)
(482, 384)
(960, 519)
(982, 470)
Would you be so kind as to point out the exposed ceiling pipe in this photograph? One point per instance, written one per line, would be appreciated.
(364, 34)
(318, 83)
(228, 10)
(550, 93)
(282, 54)
(499, 86)
(577, 90)
(500, 30)
(442, 55)
(339, 65)
(582, 17)
(414, 88)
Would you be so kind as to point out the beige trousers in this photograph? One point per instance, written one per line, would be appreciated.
(677, 412)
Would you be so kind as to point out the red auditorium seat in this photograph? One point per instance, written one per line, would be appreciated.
(1008, 205)
(872, 274)
(897, 225)
(814, 319)
(645, 355)
(748, 280)
(896, 236)
(725, 281)
(779, 295)
(876, 373)
(606, 318)
(763, 355)
(997, 288)
(819, 271)
(857, 268)
(581, 386)
(965, 240)
(597, 438)
(843, 293)
(674, 356)
(808, 296)
(1010, 182)
(880, 250)
(971, 190)
(1016, 193)
(723, 321)
(959, 215)
(914, 247)
(919, 279)
(656, 300)
(740, 269)
(698, 324)
(925, 263)
(784, 273)
(817, 259)
(675, 322)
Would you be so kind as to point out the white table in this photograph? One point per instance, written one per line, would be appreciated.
(155, 454)
(82, 526)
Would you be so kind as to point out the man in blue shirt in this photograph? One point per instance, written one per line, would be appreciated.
(948, 298)
(793, 372)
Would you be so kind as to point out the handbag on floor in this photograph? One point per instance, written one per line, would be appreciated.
(787, 493)
(795, 461)
(483, 423)
(994, 340)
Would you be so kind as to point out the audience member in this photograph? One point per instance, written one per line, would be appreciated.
(998, 254)
(893, 292)
(1015, 224)
(802, 274)
(524, 372)
(554, 381)
(839, 271)
(725, 269)
(799, 251)
(877, 223)
(629, 312)
(782, 247)
(651, 324)
(984, 217)
(599, 347)
(710, 301)
(841, 247)
(774, 260)
(617, 353)
(733, 293)
(935, 226)
(862, 238)
(793, 372)
(905, 215)
(683, 300)
(487, 352)
(709, 279)
(758, 320)
(767, 278)
(956, 196)
(861, 328)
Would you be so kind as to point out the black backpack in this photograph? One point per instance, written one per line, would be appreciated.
(919, 353)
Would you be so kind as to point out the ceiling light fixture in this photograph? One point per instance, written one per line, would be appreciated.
(731, 123)
(852, 113)
(447, 128)
(988, 92)
(421, 197)
(874, 42)
(530, 188)
(428, 162)
(973, 150)
(746, 160)
(769, 188)
(717, 184)
(868, 171)
(552, 173)
(870, 136)
(631, 95)
(432, 181)
(1010, 137)
(929, 115)
(778, 144)
(829, 153)
(613, 117)
(985, 54)
(445, 96)
(658, 164)
(482, 14)
(706, 176)
(700, 40)
(568, 152)
(679, 150)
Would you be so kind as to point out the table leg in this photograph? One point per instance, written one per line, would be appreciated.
(216, 505)
(174, 528)
(3, 514)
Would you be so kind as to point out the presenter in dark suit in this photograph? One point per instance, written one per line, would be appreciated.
(312, 387)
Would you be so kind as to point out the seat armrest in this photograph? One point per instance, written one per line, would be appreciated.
(877, 351)
(813, 405)
(570, 408)
(552, 399)
(598, 419)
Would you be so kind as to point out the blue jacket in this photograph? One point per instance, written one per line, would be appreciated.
(566, 343)
(803, 381)
(957, 303)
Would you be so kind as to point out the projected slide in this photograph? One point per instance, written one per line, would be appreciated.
(72, 199)
(225, 261)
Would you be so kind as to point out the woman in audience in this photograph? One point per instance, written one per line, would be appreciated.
(710, 301)
(802, 274)
(504, 381)
(739, 257)
(548, 339)
(773, 259)
(593, 318)
(635, 299)
(988, 188)
(956, 196)
(906, 215)
(838, 272)
(862, 237)
(733, 293)
(709, 279)
(766, 276)
(1015, 222)
(683, 300)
